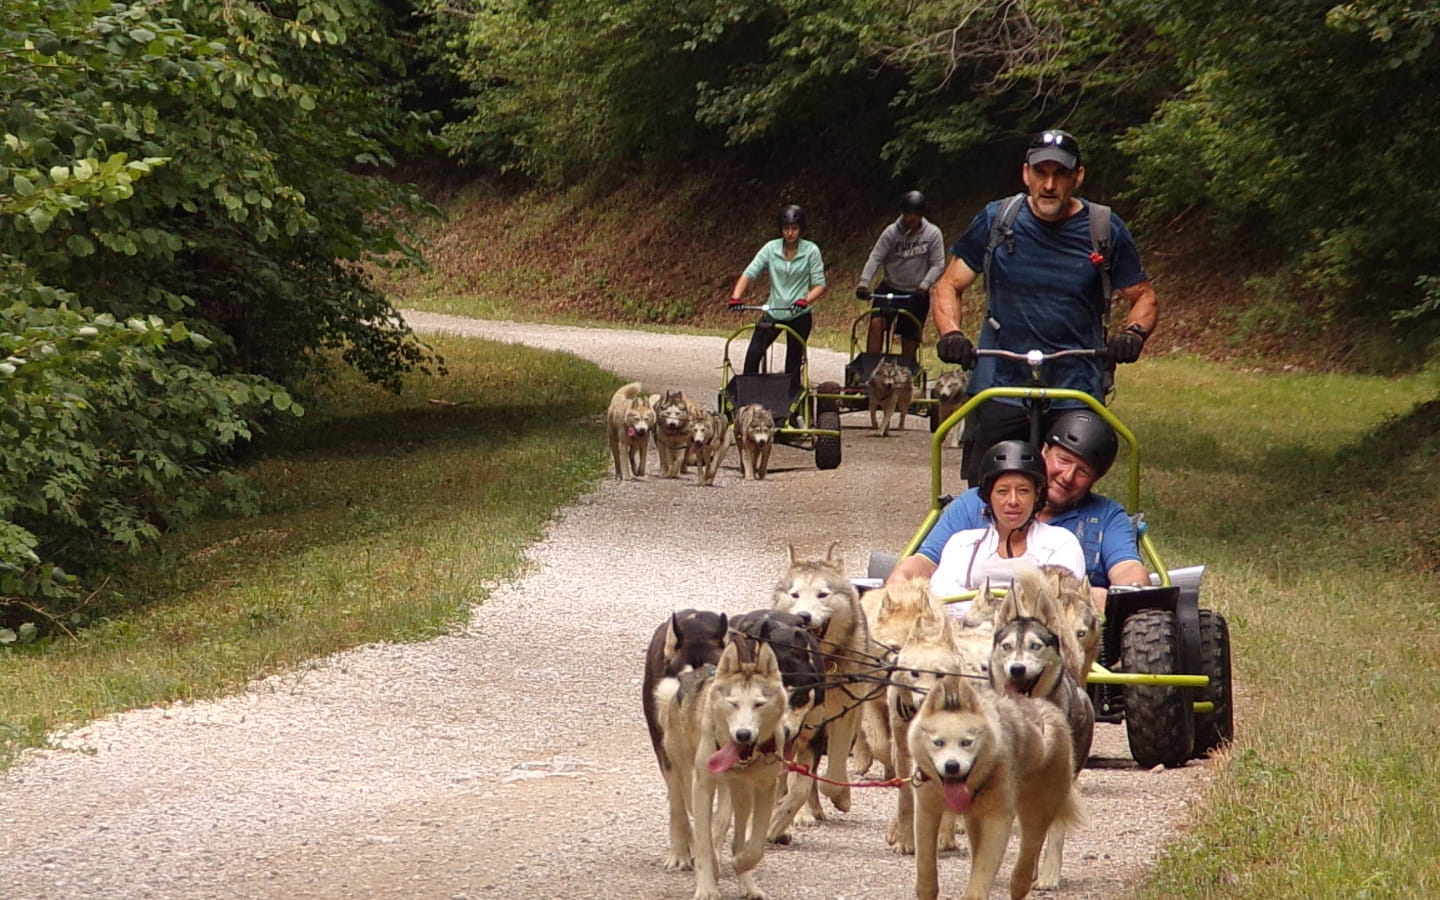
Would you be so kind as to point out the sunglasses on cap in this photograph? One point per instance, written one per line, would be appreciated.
(1052, 140)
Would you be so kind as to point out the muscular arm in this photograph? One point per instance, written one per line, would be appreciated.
(1144, 307)
(913, 566)
(945, 295)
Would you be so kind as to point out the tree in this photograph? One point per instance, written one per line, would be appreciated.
(1304, 131)
(185, 204)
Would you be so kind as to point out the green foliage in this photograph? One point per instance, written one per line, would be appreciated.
(274, 128)
(106, 436)
(1302, 131)
(188, 191)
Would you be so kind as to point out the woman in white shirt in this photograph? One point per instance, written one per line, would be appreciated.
(1012, 486)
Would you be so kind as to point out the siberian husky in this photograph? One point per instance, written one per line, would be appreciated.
(723, 729)
(629, 422)
(819, 593)
(891, 387)
(993, 759)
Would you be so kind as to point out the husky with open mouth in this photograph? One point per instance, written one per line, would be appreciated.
(992, 759)
(817, 591)
(724, 729)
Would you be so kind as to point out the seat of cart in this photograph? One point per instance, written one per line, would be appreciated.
(778, 392)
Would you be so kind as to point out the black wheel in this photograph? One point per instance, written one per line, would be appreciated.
(827, 447)
(823, 404)
(1159, 720)
(1216, 728)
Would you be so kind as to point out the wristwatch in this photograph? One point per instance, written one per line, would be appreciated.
(1137, 328)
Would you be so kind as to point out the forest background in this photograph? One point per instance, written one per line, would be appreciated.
(200, 197)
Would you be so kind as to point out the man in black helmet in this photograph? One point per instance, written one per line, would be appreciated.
(797, 279)
(1079, 449)
(911, 251)
(1045, 290)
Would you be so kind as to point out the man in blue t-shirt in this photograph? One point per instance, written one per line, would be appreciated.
(1044, 292)
(1079, 449)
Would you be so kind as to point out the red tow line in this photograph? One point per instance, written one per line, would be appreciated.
(801, 769)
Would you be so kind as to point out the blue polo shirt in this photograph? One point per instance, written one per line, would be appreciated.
(1106, 534)
(1045, 294)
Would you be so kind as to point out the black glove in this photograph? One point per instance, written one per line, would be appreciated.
(920, 294)
(862, 292)
(954, 347)
(1125, 347)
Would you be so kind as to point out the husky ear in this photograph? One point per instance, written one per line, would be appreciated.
(954, 694)
(832, 557)
(672, 635)
(723, 626)
(729, 660)
(1008, 609)
(790, 548)
(766, 665)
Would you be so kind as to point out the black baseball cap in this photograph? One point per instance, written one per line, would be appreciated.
(1054, 146)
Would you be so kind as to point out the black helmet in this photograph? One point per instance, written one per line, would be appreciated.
(912, 201)
(1012, 456)
(1087, 436)
(792, 215)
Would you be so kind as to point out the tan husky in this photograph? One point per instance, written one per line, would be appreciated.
(1036, 655)
(709, 442)
(949, 392)
(755, 436)
(673, 412)
(992, 758)
(728, 727)
(628, 424)
(819, 593)
(1077, 609)
(891, 388)
(890, 612)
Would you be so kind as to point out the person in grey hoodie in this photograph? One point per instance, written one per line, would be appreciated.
(911, 251)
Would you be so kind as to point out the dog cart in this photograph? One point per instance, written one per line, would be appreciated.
(799, 420)
(854, 394)
(1164, 665)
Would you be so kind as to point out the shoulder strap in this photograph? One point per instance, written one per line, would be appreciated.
(1002, 228)
(1100, 243)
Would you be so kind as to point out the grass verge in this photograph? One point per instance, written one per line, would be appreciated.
(383, 518)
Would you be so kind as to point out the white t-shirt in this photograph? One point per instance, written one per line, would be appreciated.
(972, 555)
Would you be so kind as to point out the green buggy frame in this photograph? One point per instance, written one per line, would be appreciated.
(1164, 664)
(854, 393)
(800, 421)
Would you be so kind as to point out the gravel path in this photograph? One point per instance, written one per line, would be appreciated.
(511, 759)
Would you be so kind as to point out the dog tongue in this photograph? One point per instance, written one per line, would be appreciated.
(630, 431)
(957, 795)
(724, 758)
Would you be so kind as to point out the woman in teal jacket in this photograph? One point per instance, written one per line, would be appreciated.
(797, 279)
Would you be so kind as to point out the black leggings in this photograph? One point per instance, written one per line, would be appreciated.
(765, 334)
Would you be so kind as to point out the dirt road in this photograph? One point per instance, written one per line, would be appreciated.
(511, 759)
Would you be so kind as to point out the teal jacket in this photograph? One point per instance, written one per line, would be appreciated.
(790, 279)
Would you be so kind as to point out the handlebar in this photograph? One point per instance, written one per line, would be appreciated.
(1037, 358)
(890, 296)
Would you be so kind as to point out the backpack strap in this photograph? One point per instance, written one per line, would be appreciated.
(1101, 243)
(1001, 228)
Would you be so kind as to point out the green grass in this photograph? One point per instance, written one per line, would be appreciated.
(1311, 500)
(383, 519)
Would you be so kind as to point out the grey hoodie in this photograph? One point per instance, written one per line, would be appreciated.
(910, 260)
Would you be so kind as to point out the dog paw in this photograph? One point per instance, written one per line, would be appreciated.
(707, 893)
(806, 819)
(783, 838)
(839, 796)
(674, 862)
